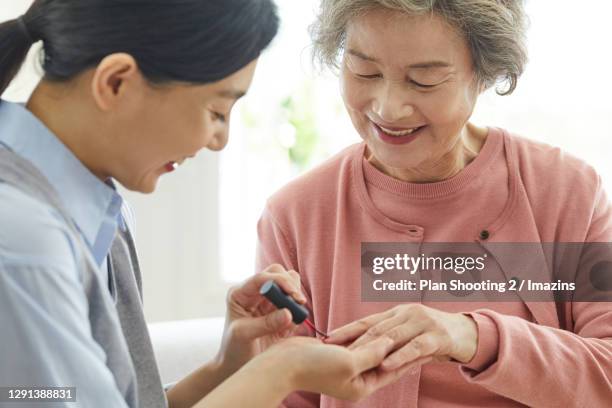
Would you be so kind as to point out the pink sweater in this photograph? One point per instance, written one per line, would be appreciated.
(529, 353)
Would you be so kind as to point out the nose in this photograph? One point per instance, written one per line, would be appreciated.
(219, 140)
(392, 103)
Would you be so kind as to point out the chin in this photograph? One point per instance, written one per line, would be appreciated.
(148, 188)
(394, 154)
(393, 158)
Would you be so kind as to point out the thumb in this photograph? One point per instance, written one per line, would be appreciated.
(372, 354)
(252, 328)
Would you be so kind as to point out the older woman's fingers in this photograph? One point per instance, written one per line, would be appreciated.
(392, 327)
(355, 329)
(378, 378)
(372, 354)
(424, 345)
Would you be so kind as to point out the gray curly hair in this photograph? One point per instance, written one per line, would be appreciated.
(494, 31)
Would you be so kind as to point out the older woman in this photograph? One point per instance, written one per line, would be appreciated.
(410, 74)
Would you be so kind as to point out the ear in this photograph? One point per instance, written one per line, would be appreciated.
(114, 76)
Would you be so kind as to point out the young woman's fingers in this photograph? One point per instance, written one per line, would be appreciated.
(250, 328)
(288, 280)
(301, 299)
(247, 294)
(424, 345)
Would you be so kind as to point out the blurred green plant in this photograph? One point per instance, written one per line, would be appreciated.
(299, 111)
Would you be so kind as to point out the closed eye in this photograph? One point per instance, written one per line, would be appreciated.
(415, 83)
(374, 76)
(421, 85)
(219, 116)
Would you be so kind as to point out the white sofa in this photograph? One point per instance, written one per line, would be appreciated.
(184, 345)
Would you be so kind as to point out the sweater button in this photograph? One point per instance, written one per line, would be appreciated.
(484, 234)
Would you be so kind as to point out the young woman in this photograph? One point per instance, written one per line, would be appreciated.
(130, 91)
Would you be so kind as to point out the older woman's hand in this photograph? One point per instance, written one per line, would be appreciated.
(419, 333)
(252, 324)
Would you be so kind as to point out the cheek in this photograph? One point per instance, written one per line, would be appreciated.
(158, 124)
(452, 107)
(187, 130)
(355, 94)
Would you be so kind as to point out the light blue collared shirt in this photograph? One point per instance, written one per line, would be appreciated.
(45, 335)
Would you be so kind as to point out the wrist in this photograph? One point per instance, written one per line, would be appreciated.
(278, 369)
(468, 339)
(488, 342)
(232, 356)
(219, 366)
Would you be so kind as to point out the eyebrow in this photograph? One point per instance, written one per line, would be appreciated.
(419, 65)
(231, 94)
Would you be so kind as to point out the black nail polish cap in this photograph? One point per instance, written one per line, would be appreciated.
(281, 300)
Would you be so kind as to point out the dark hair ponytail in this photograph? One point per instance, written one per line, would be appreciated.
(15, 42)
(193, 41)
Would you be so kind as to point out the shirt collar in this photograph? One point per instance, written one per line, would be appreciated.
(93, 205)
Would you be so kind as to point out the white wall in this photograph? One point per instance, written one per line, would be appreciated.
(177, 241)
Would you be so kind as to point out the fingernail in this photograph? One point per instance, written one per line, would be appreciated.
(331, 333)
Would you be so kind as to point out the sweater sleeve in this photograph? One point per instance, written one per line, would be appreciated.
(274, 246)
(544, 366)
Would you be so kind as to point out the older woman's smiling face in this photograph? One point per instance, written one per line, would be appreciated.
(409, 87)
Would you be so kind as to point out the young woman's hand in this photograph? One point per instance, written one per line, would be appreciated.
(252, 323)
(340, 372)
(418, 332)
(305, 364)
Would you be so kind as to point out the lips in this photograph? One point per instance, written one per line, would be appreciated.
(397, 135)
(171, 166)
(402, 132)
(174, 164)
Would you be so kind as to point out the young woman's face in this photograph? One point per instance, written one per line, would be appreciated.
(167, 125)
(408, 85)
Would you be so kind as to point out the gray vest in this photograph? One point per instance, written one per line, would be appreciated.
(117, 321)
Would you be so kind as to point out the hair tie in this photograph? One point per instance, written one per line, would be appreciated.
(24, 29)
